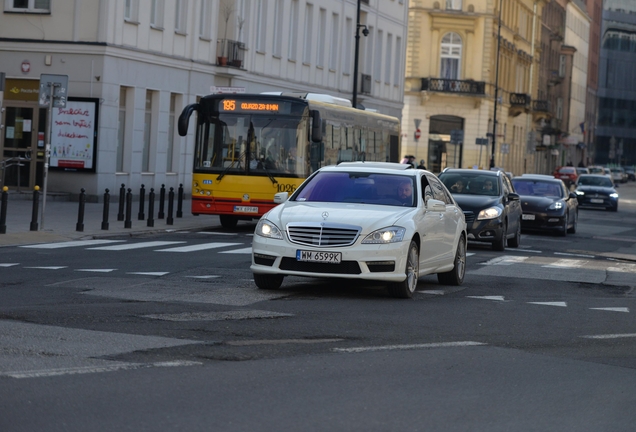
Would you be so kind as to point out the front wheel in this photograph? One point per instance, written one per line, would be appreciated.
(268, 281)
(576, 220)
(563, 230)
(500, 245)
(228, 222)
(456, 275)
(515, 241)
(406, 288)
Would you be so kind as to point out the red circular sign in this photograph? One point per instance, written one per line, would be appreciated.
(418, 133)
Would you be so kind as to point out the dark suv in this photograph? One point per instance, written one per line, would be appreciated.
(490, 204)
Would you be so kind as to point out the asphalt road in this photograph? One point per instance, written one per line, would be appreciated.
(168, 332)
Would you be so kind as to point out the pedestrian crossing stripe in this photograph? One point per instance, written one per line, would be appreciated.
(559, 304)
(8, 264)
(129, 246)
(47, 267)
(198, 247)
(76, 243)
(247, 250)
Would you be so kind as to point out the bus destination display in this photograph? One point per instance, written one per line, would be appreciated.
(238, 105)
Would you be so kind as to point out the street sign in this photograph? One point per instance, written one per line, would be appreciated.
(457, 136)
(481, 141)
(418, 134)
(214, 89)
(417, 123)
(56, 86)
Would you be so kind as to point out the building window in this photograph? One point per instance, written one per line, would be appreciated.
(293, 30)
(121, 130)
(398, 61)
(559, 109)
(561, 66)
(309, 33)
(204, 20)
(261, 26)
(34, 6)
(451, 53)
(388, 61)
(322, 29)
(347, 57)
(131, 10)
(171, 121)
(454, 4)
(377, 64)
(278, 28)
(335, 41)
(145, 157)
(180, 16)
(156, 13)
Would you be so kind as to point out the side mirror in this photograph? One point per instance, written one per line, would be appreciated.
(281, 197)
(513, 196)
(435, 205)
(184, 118)
(572, 195)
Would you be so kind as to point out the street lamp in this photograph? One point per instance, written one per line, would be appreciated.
(365, 32)
(494, 123)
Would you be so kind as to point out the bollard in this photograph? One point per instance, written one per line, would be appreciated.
(180, 201)
(105, 213)
(36, 203)
(142, 197)
(80, 213)
(162, 198)
(122, 199)
(151, 208)
(128, 222)
(3, 210)
(169, 220)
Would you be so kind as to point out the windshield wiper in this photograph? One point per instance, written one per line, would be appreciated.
(230, 166)
(271, 177)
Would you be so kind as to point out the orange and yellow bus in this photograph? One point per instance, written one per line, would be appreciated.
(250, 146)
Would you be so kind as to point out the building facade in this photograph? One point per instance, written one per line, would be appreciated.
(616, 125)
(471, 76)
(132, 65)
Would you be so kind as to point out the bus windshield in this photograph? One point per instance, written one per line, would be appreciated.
(258, 144)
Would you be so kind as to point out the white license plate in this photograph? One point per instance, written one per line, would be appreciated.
(527, 216)
(596, 201)
(245, 209)
(321, 257)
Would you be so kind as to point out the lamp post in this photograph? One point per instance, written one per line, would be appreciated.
(494, 123)
(365, 32)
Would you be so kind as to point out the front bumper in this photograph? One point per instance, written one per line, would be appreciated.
(385, 262)
(488, 230)
(543, 222)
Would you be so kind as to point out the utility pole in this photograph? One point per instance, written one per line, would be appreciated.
(494, 123)
(365, 32)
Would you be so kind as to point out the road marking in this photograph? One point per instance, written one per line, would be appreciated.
(141, 245)
(217, 316)
(198, 247)
(498, 298)
(610, 336)
(9, 264)
(575, 255)
(408, 347)
(566, 263)
(506, 260)
(96, 369)
(434, 292)
(148, 273)
(70, 244)
(613, 309)
(239, 251)
(218, 233)
(559, 304)
(47, 267)
(204, 277)
(280, 341)
(97, 270)
(470, 254)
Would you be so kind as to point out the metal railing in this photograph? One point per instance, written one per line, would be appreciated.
(230, 53)
(519, 99)
(541, 106)
(454, 86)
(14, 162)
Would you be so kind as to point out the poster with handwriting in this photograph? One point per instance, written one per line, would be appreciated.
(73, 136)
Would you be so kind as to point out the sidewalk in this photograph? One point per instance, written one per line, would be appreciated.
(61, 219)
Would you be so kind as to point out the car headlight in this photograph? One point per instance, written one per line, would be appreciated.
(489, 213)
(385, 235)
(580, 193)
(556, 205)
(265, 228)
(614, 195)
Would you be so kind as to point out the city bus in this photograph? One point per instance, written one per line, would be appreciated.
(250, 146)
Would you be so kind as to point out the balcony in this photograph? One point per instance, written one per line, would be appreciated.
(230, 53)
(519, 103)
(541, 110)
(468, 87)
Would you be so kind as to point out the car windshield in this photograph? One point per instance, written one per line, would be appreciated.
(567, 170)
(470, 183)
(538, 188)
(595, 181)
(358, 187)
(596, 170)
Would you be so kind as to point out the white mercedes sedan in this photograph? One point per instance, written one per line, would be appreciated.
(375, 221)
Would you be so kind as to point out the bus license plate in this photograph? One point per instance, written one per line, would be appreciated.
(245, 209)
(527, 216)
(320, 257)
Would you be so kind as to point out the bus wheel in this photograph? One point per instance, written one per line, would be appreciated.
(228, 221)
(268, 281)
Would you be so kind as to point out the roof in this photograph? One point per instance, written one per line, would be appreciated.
(472, 171)
(376, 165)
(541, 177)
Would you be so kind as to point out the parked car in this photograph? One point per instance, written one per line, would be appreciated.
(582, 170)
(547, 204)
(630, 174)
(567, 174)
(596, 169)
(492, 214)
(618, 175)
(374, 221)
(596, 190)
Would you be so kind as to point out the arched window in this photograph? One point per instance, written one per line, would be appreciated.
(450, 55)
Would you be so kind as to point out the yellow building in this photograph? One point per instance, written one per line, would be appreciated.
(451, 76)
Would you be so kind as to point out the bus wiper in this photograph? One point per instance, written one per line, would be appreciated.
(271, 177)
(231, 165)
